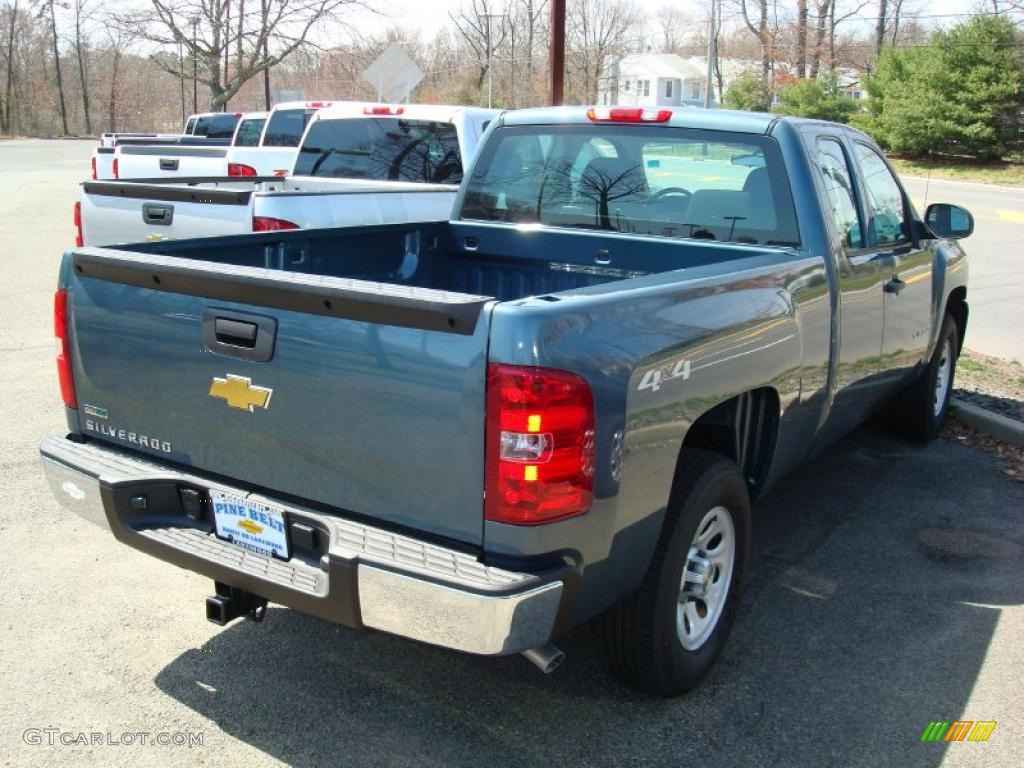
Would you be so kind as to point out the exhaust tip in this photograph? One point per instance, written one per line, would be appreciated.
(547, 658)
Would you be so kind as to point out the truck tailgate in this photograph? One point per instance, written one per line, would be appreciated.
(363, 396)
(119, 212)
(150, 162)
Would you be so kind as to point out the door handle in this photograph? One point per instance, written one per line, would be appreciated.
(158, 214)
(895, 285)
(168, 164)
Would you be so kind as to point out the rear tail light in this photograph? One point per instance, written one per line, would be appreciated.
(628, 115)
(60, 330)
(383, 110)
(79, 240)
(268, 224)
(240, 169)
(539, 451)
(113, 169)
(93, 162)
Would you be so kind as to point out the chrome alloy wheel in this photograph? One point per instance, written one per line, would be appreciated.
(942, 376)
(704, 587)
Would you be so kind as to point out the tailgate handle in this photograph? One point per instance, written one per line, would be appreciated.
(239, 334)
(235, 332)
(155, 213)
(168, 163)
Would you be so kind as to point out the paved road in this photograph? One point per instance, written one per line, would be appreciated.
(996, 250)
(886, 590)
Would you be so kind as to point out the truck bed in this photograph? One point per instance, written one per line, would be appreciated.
(499, 262)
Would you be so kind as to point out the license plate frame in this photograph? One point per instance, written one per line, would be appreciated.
(253, 525)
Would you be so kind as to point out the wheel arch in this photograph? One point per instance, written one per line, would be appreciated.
(743, 428)
(956, 305)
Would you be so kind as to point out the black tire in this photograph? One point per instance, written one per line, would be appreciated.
(642, 645)
(915, 411)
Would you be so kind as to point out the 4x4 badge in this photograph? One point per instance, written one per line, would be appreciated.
(239, 392)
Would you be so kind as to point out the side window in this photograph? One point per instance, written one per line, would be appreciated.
(887, 219)
(835, 173)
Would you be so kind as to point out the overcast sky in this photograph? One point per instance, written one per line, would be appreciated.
(430, 15)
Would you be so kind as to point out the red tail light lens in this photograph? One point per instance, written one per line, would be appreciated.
(540, 445)
(79, 240)
(240, 169)
(113, 169)
(60, 330)
(383, 110)
(628, 115)
(268, 224)
(93, 163)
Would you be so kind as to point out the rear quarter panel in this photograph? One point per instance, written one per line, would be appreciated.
(658, 352)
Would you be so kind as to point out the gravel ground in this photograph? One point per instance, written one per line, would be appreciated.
(997, 385)
(991, 383)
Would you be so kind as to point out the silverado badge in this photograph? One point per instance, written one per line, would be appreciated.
(239, 392)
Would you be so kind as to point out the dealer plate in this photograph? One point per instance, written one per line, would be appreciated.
(253, 525)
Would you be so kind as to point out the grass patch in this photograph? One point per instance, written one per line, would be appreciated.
(1008, 172)
(966, 363)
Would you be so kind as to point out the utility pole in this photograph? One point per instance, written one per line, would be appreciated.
(490, 55)
(181, 80)
(266, 55)
(712, 52)
(557, 52)
(490, 68)
(195, 65)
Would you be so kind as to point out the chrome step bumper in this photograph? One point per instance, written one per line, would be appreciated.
(364, 576)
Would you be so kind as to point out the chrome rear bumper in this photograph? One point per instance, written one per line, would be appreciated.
(358, 575)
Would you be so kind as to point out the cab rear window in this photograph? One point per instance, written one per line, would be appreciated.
(650, 180)
(382, 149)
(216, 126)
(286, 127)
(248, 133)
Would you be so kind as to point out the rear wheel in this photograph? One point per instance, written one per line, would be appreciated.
(920, 410)
(666, 636)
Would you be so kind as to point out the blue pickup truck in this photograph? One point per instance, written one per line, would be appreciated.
(554, 408)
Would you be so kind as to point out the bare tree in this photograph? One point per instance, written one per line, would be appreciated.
(48, 8)
(234, 41)
(599, 32)
(880, 23)
(763, 31)
(475, 23)
(12, 30)
(801, 38)
(81, 15)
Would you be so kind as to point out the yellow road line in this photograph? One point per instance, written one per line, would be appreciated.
(1017, 217)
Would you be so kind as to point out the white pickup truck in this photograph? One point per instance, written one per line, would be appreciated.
(277, 144)
(191, 156)
(385, 164)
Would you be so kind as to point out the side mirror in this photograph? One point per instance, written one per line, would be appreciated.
(949, 221)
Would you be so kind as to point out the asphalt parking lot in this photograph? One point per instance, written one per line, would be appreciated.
(886, 590)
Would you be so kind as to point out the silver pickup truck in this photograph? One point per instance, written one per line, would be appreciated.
(554, 408)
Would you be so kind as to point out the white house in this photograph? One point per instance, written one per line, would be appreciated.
(654, 79)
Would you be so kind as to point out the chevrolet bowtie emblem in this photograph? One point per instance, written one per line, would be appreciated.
(240, 393)
(250, 526)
